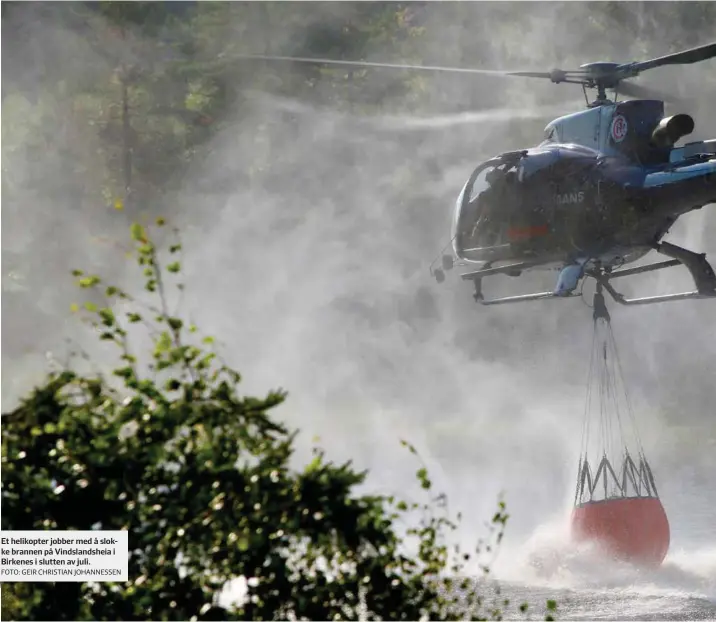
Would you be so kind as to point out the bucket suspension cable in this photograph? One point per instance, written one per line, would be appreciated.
(621, 471)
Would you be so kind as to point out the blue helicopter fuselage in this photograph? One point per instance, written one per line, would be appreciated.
(606, 184)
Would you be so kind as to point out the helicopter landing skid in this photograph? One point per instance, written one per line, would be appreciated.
(512, 270)
(701, 272)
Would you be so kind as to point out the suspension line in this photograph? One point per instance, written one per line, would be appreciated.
(603, 380)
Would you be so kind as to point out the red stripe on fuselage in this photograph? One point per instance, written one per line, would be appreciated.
(524, 233)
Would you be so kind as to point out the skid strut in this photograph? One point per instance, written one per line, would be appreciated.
(701, 272)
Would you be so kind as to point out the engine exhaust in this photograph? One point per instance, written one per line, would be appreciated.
(671, 129)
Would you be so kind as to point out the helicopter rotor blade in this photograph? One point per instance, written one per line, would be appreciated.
(532, 74)
(595, 75)
(693, 55)
(408, 123)
(556, 75)
(368, 64)
(642, 92)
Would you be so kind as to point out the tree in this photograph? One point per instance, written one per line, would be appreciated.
(169, 449)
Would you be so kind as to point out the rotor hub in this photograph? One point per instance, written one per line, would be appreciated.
(602, 74)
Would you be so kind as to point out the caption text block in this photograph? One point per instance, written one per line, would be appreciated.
(64, 555)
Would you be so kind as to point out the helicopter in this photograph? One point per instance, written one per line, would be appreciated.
(599, 192)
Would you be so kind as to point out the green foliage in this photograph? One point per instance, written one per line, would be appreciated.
(168, 449)
(10, 595)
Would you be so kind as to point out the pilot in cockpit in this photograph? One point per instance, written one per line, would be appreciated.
(494, 204)
(495, 177)
(503, 187)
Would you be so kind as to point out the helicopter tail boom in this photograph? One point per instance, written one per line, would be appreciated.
(689, 150)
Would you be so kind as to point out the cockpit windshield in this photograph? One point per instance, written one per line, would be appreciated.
(479, 221)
